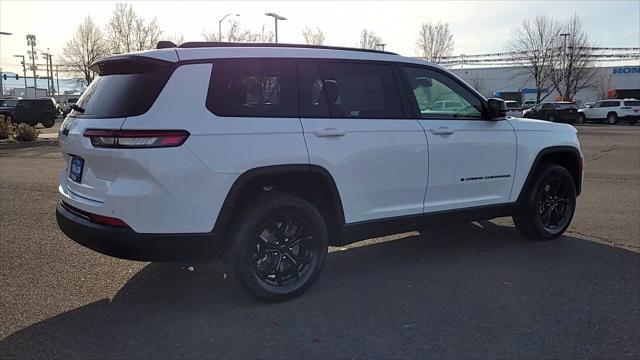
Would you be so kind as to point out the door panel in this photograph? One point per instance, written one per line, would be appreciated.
(471, 166)
(354, 126)
(471, 160)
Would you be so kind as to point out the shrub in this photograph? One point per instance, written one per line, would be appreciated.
(6, 128)
(24, 132)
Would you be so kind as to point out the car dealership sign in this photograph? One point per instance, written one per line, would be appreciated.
(627, 70)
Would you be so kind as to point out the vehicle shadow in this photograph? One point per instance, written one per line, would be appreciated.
(461, 291)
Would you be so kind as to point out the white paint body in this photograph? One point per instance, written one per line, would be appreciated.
(382, 168)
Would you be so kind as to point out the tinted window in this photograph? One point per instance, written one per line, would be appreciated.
(632, 103)
(610, 103)
(547, 106)
(566, 106)
(439, 96)
(512, 105)
(9, 103)
(253, 88)
(123, 88)
(348, 90)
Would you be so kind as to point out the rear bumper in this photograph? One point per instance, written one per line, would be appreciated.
(630, 118)
(124, 243)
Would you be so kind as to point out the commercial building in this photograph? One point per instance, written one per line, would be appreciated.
(507, 82)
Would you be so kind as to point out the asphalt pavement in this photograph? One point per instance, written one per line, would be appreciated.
(473, 290)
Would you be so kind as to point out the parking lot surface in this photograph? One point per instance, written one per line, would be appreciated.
(474, 290)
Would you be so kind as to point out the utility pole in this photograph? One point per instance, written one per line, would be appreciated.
(53, 89)
(46, 61)
(276, 17)
(31, 41)
(57, 81)
(24, 72)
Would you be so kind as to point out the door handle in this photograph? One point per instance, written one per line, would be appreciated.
(329, 132)
(442, 131)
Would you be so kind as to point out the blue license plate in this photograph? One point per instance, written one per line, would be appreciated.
(75, 173)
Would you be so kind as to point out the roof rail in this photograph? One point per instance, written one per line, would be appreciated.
(204, 44)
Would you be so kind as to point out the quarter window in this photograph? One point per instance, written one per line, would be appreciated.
(348, 90)
(438, 96)
(253, 88)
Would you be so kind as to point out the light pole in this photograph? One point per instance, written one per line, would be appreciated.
(24, 72)
(46, 60)
(276, 17)
(31, 41)
(564, 57)
(220, 25)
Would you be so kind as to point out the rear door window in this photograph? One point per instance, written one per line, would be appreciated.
(124, 88)
(632, 103)
(253, 88)
(337, 89)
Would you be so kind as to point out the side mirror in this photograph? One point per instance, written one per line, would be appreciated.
(496, 108)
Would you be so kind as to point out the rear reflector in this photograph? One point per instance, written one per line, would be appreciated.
(136, 139)
(106, 220)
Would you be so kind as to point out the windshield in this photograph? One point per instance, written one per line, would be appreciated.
(9, 103)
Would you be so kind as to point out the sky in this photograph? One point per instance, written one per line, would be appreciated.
(478, 26)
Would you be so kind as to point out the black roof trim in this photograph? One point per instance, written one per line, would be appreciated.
(205, 44)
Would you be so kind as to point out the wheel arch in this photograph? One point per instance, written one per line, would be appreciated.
(567, 156)
(312, 182)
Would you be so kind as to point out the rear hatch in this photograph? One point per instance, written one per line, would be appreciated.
(125, 86)
(567, 111)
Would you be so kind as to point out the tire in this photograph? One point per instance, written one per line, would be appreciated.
(49, 122)
(548, 204)
(261, 260)
(612, 118)
(551, 118)
(581, 119)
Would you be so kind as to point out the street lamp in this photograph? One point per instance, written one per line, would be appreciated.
(24, 72)
(31, 41)
(276, 17)
(220, 25)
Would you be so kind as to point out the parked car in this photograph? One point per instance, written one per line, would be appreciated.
(612, 110)
(266, 154)
(528, 104)
(513, 108)
(565, 112)
(66, 107)
(29, 111)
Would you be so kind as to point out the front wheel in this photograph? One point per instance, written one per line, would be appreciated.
(548, 205)
(612, 118)
(279, 247)
(49, 122)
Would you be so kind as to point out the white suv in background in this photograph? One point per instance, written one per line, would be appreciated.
(612, 110)
(267, 154)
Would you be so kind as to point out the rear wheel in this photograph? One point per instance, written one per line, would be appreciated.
(548, 204)
(612, 118)
(49, 122)
(581, 119)
(279, 247)
(551, 118)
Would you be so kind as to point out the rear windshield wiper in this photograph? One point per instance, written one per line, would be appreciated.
(77, 108)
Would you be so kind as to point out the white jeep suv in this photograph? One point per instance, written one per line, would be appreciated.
(268, 154)
(612, 110)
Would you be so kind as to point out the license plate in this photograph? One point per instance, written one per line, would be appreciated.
(75, 173)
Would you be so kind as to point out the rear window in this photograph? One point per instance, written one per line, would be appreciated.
(632, 103)
(513, 105)
(566, 106)
(123, 88)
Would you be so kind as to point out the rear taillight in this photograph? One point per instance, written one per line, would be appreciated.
(136, 139)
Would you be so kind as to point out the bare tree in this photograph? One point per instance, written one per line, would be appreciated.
(435, 41)
(534, 46)
(86, 46)
(477, 82)
(127, 31)
(236, 34)
(313, 37)
(369, 40)
(573, 68)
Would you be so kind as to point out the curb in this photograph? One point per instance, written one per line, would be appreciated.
(52, 142)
